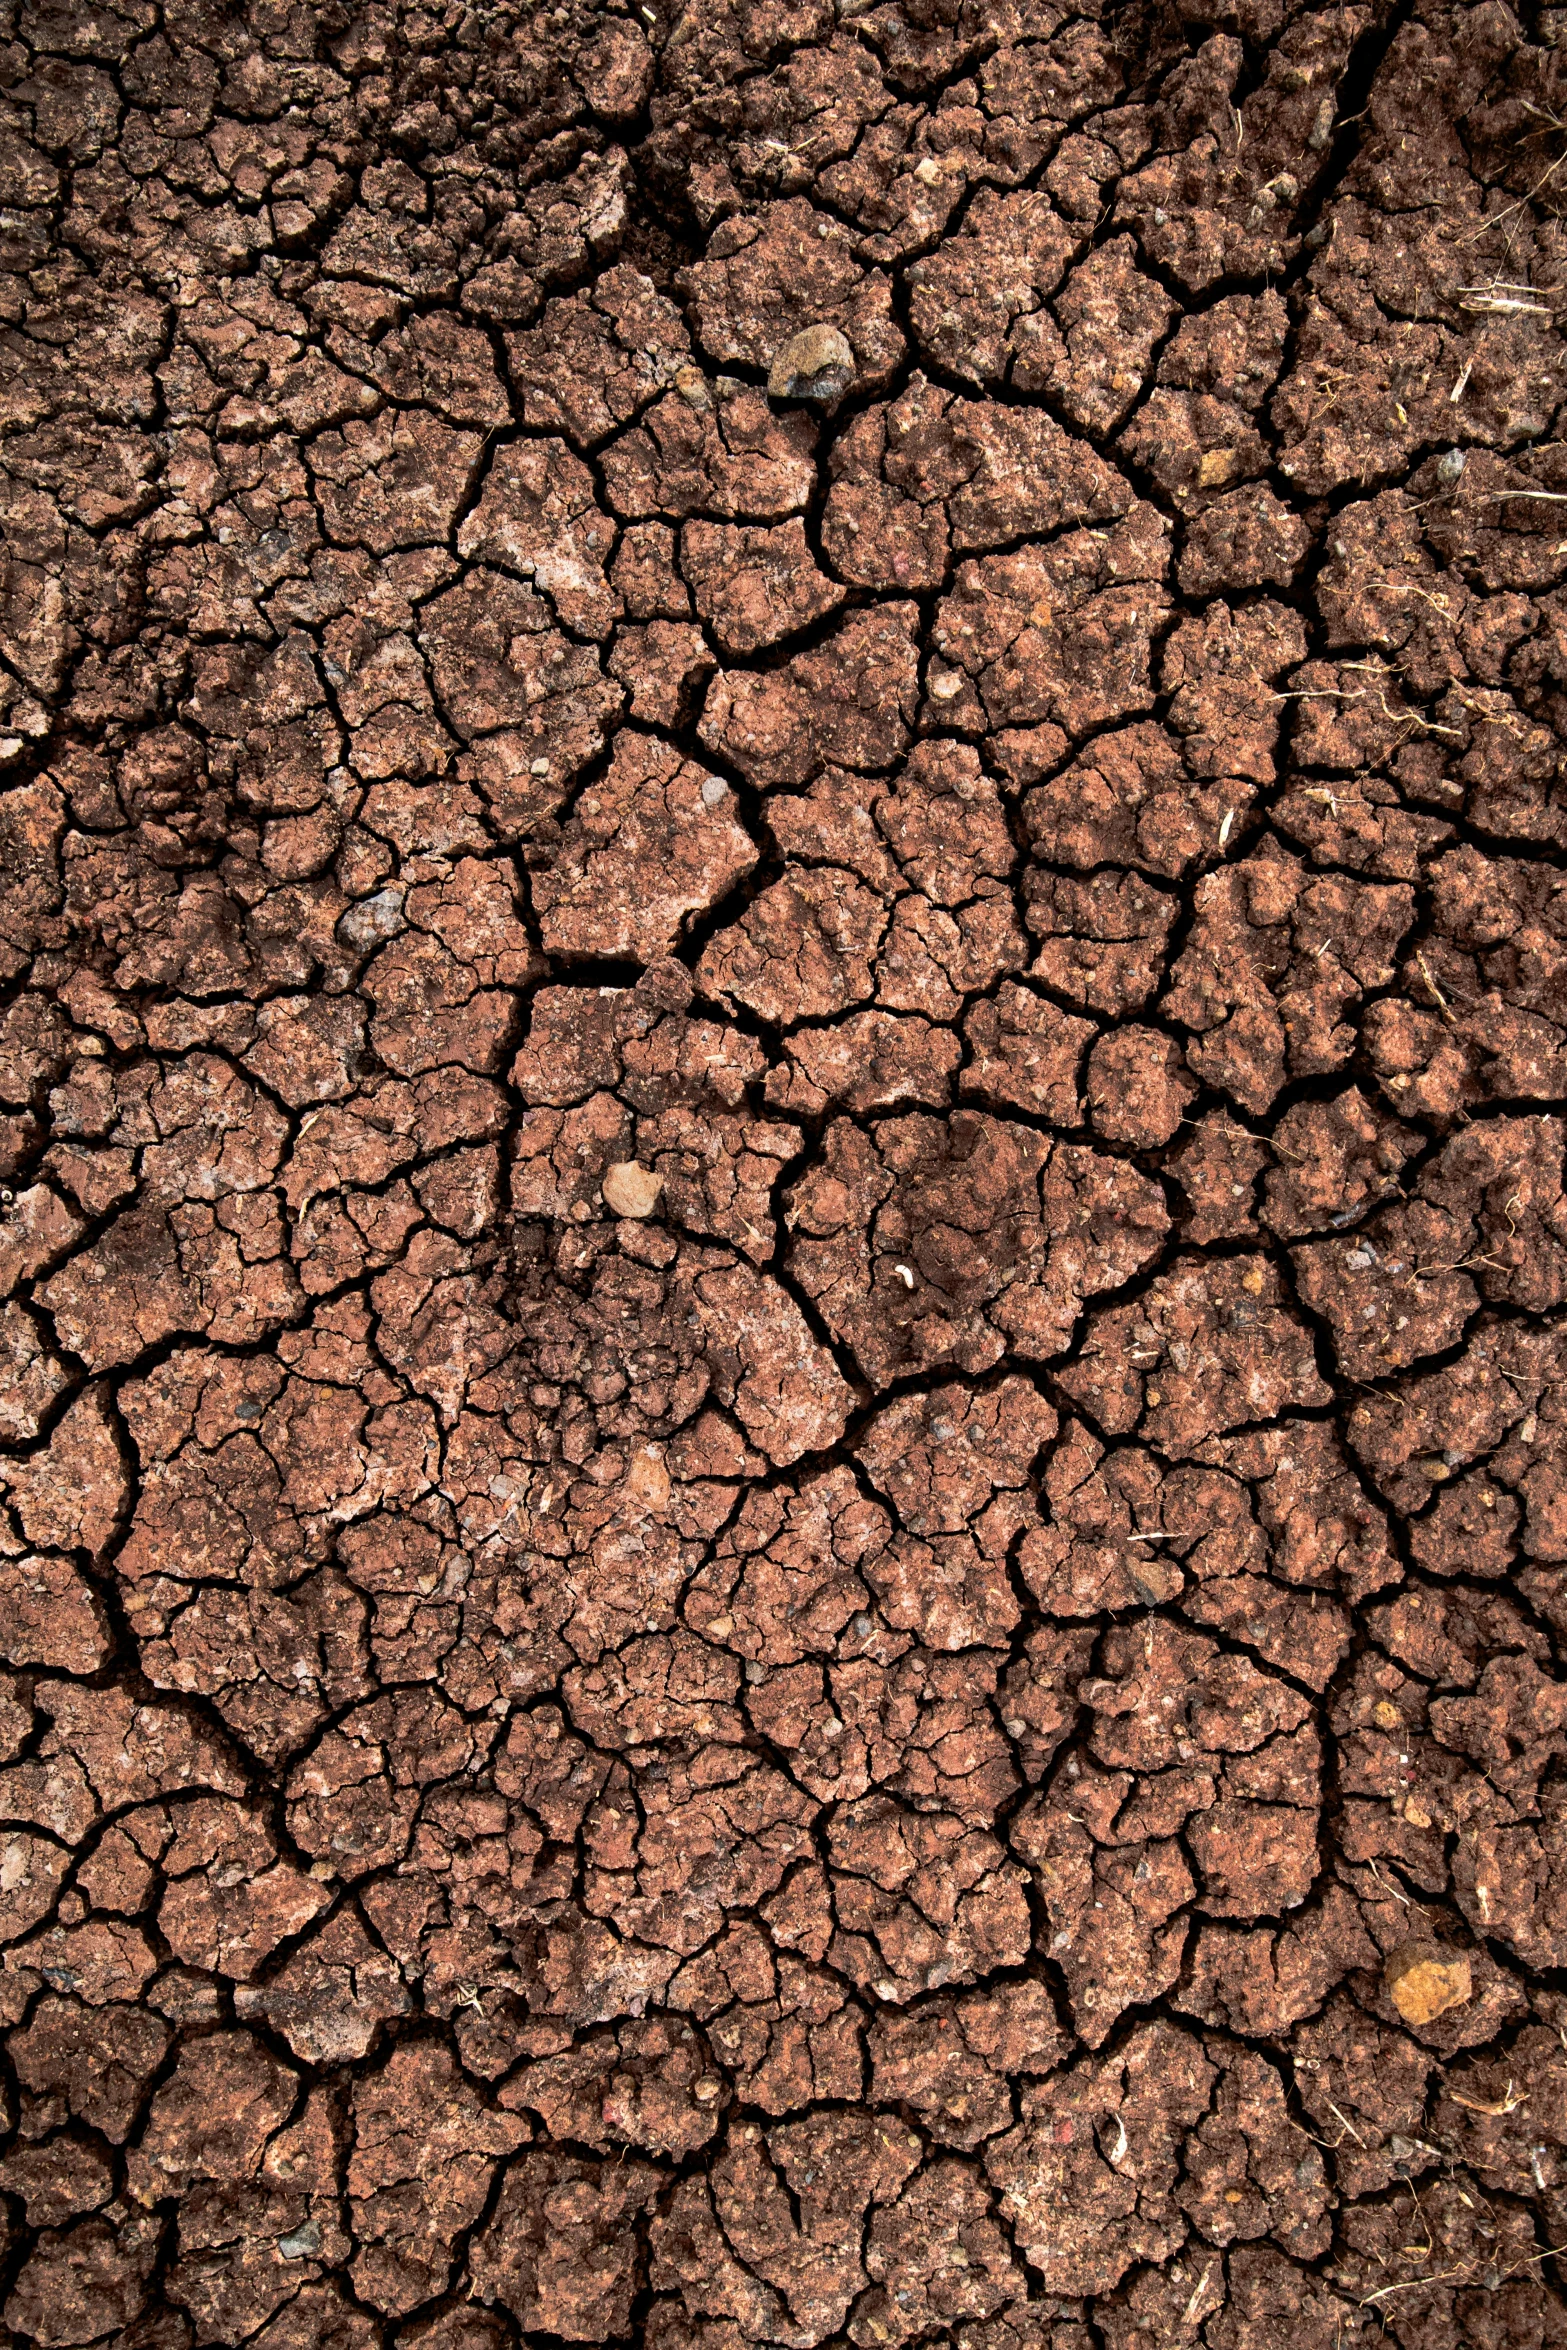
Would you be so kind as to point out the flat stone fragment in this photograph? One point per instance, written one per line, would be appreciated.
(1424, 1984)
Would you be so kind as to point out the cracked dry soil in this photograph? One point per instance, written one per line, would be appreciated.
(784, 1536)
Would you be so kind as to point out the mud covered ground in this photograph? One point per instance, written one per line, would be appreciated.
(785, 955)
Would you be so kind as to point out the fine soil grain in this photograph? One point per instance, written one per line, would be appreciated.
(783, 1026)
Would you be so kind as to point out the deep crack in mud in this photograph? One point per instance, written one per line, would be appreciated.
(784, 1534)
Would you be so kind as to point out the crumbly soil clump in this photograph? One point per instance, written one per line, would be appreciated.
(783, 1027)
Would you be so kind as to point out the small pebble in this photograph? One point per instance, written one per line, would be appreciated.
(631, 1190)
(817, 364)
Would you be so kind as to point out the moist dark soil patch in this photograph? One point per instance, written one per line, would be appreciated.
(783, 1011)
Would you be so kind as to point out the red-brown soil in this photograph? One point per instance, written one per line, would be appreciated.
(783, 1402)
